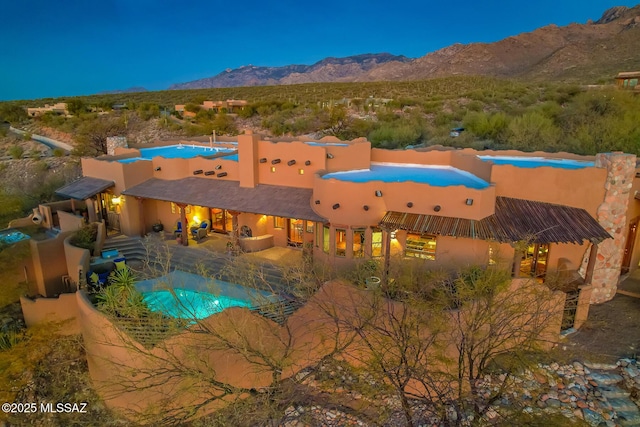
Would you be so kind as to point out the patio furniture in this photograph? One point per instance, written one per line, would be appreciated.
(177, 230)
(202, 230)
(120, 263)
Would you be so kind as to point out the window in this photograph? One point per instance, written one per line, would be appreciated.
(341, 242)
(325, 239)
(278, 222)
(421, 246)
(309, 226)
(493, 252)
(358, 243)
(376, 242)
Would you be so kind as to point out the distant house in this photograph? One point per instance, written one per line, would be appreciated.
(58, 108)
(229, 106)
(628, 80)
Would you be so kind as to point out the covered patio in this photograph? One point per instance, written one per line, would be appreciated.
(249, 209)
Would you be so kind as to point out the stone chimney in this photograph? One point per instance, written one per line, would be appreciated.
(114, 142)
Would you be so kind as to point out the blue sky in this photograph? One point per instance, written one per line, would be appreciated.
(81, 47)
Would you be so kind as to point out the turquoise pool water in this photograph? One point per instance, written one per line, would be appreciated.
(188, 304)
(176, 152)
(11, 236)
(536, 162)
(189, 296)
(438, 176)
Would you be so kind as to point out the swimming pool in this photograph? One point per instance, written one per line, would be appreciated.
(536, 162)
(189, 296)
(11, 236)
(180, 151)
(438, 176)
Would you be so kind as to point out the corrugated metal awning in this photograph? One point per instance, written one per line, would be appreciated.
(84, 188)
(514, 220)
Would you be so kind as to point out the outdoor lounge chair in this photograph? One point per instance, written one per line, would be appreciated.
(201, 231)
(97, 280)
(177, 229)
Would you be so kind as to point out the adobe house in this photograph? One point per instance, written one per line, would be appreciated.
(229, 106)
(344, 202)
(58, 108)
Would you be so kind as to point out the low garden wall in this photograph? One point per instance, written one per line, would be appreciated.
(257, 243)
(64, 308)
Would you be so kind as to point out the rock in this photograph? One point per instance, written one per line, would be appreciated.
(592, 417)
(539, 377)
(581, 404)
(578, 414)
(553, 403)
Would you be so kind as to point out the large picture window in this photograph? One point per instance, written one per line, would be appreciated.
(358, 243)
(326, 235)
(341, 242)
(376, 242)
(421, 246)
(278, 222)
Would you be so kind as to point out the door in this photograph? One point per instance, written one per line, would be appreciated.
(295, 230)
(534, 263)
(220, 221)
(628, 247)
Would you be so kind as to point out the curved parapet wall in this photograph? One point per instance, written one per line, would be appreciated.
(77, 260)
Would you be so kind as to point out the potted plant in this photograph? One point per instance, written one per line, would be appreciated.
(157, 227)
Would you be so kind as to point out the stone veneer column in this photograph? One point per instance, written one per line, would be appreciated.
(612, 216)
(115, 141)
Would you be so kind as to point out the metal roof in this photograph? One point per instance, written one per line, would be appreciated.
(84, 188)
(289, 202)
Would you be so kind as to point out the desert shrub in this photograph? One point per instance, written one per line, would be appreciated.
(85, 237)
(58, 152)
(16, 151)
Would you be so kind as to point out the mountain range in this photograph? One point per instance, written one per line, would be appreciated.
(586, 53)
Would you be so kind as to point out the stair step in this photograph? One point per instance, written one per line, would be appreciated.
(628, 418)
(605, 378)
(613, 392)
(622, 404)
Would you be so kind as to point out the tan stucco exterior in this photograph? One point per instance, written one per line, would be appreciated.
(360, 205)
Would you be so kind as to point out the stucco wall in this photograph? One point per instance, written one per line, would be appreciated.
(49, 265)
(77, 260)
(64, 308)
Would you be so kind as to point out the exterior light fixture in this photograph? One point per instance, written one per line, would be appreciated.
(263, 160)
(221, 174)
(307, 163)
(378, 193)
(207, 173)
(437, 208)
(197, 172)
(116, 200)
(394, 234)
(410, 204)
(365, 207)
(300, 171)
(158, 169)
(291, 162)
(273, 168)
(329, 156)
(469, 202)
(317, 202)
(336, 206)
(275, 161)
(218, 167)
